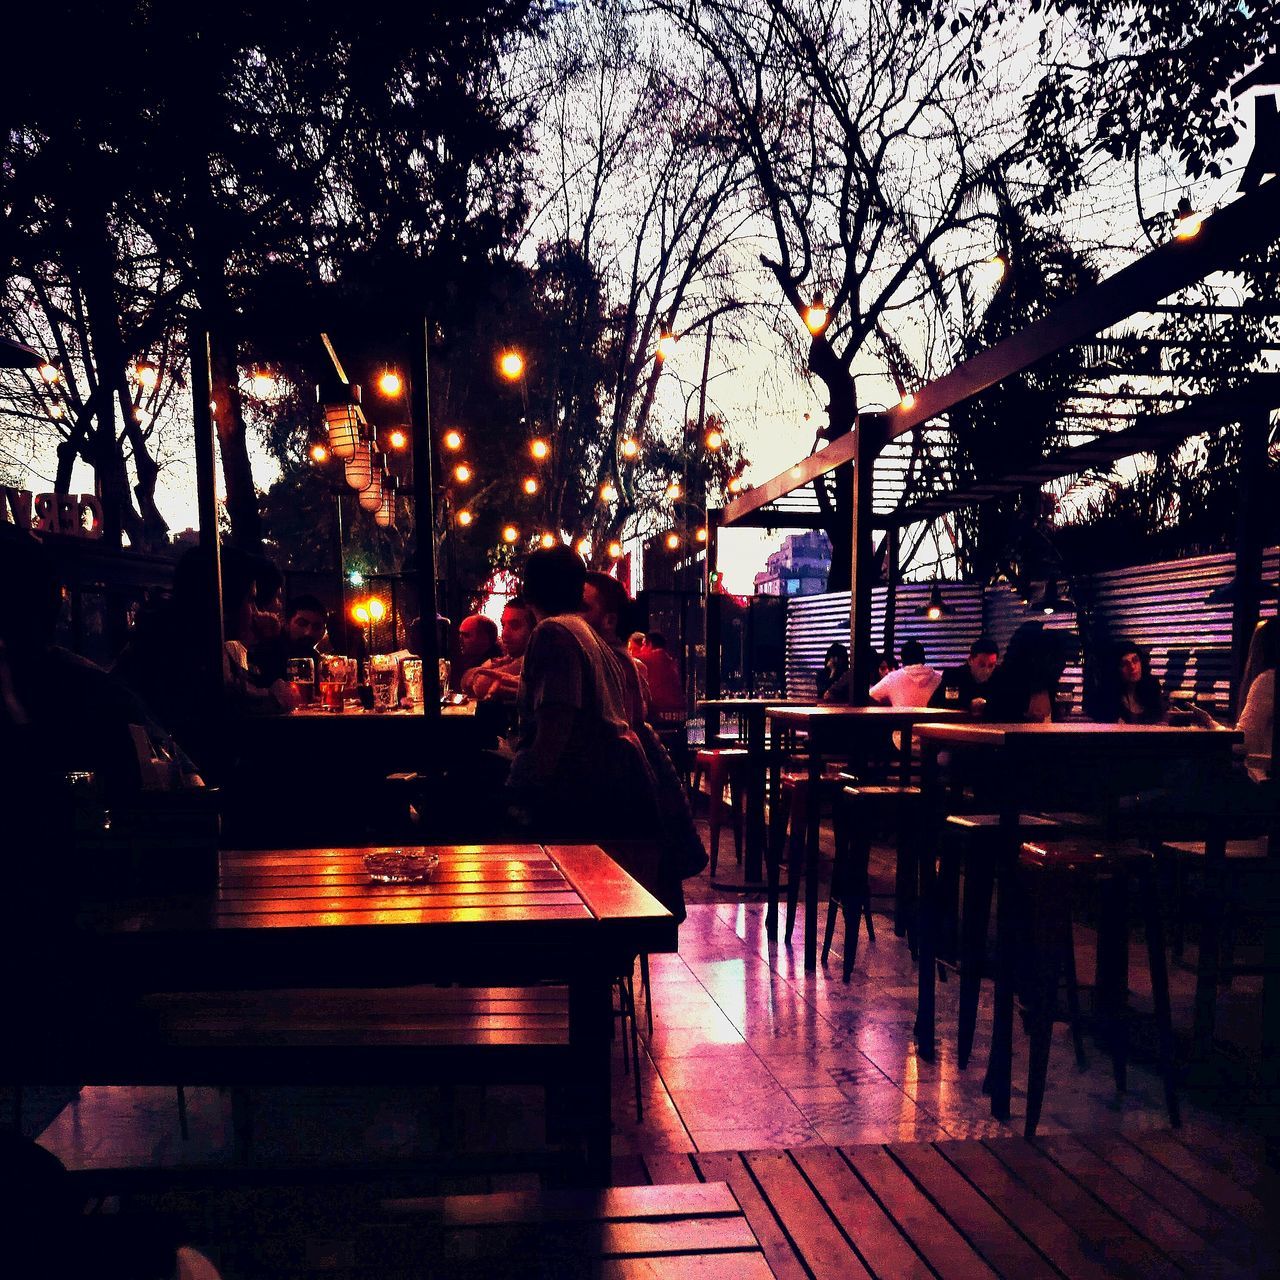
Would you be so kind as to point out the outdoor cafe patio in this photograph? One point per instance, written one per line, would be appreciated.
(970, 1005)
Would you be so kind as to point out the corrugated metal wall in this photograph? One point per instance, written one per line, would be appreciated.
(1164, 607)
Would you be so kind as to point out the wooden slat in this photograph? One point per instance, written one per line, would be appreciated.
(804, 1218)
(1189, 1208)
(1119, 1247)
(884, 1249)
(666, 1167)
(1033, 1216)
(1003, 1247)
(941, 1245)
(774, 1241)
(1146, 1215)
(1196, 1172)
(1239, 1158)
(604, 886)
(724, 1266)
(477, 915)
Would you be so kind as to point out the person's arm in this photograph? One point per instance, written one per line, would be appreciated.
(879, 692)
(1256, 715)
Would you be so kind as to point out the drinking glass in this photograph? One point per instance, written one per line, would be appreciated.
(445, 669)
(383, 678)
(333, 681)
(301, 674)
(411, 672)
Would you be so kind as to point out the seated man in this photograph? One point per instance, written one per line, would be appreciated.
(477, 643)
(667, 703)
(912, 684)
(498, 679)
(960, 686)
(306, 624)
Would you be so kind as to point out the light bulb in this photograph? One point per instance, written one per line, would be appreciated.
(389, 384)
(540, 449)
(452, 440)
(714, 439)
(465, 518)
(511, 363)
(462, 473)
(615, 550)
(377, 610)
(510, 534)
(530, 485)
(608, 492)
(397, 439)
(630, 447)
(673, 541)
(667, 344)
(908, 400)
(547, 541)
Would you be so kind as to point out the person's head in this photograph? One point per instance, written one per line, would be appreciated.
(635, 642)
(836, 659)
(553, 581)
(912, 654)
(1132, 665)
(477, 637)
(32, 593)
(983, 656)
(306, 620)
(268, 594)
(517, 626)
(655, 640)
(881, 664)
(604, 603)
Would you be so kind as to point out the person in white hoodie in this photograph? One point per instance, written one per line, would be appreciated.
(912, 684)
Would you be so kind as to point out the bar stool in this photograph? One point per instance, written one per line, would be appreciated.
(723, 767)
(1049, 877)
(850, 881)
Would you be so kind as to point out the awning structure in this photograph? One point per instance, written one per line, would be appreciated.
(898, 458)
(17, 355)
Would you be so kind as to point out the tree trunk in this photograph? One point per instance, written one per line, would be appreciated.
(837, 509)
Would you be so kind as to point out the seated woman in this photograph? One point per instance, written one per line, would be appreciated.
(1258, 698)
(835, 663)
(1130, 693)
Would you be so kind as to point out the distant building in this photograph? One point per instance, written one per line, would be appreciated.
(798, 568)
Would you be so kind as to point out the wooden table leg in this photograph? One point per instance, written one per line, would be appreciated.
(1210, 958)
(754, 870)
(926, 927)
(999, 1081)
(774, 853)
(811, 856)
(590, 1027)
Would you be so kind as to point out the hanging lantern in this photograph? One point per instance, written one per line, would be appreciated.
(385, 516)
(359, 470)
(371, 497)
(343, 418)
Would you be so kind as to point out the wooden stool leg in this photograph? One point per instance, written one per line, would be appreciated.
(841, 880)
(861, 857)
(833, 905)
(1154, 928)
(1046, 933)
(1113, 974)
(737, 811)
(648, 992)
(799, 827)
(1073, 993)
(975, 921)
(715, 810)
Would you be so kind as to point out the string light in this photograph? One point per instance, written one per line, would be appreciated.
(540, 449)
(547, 541)
(377, 610)
(1188, 224)
(608, 492)
(583, 548)
(667, 344)
(630, 447)
(453, 441)
(615, 551)
(530, 485)
(510, 534)
(714, 439)
(511, 363)
(673, 541)
(735, 484)
(263, 384)
(701, 534)
(56, 411)
(390, 384)
(816, 315)
(148, 375)
(49, 372)
(142, 416)
(397, 439)
(462, 473)
(360, 612)
(465, 518)
(319, 454)
(674, 490)
(908, 400)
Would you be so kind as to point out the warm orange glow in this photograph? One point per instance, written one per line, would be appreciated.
(701, 534)
(462, 473)
(608, 492)
(540, 449)
(735, 484)
(548, 540)
(583, 547)
(667, 344)
(377, 610)
(714, 439)
(56, 411)
(49, 373)
(465, 518)
(530, 485)
(673, 541)
(264, 385)
(452, 441)
(630, 447)
(510, 534)
(511, 363)
(908, 400)
(933, 612)
(615, 551)
(674, 490)
(1188, 226)
(397, 439)
(148, 375)
(390, 384)
(996, 267)
(319, 453)
(360, 612)
(816, 315)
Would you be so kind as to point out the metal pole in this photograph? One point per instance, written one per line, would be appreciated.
(424, 515)
(870, 435)
(712, 656)
(1250, 534)
(893, 537)
(207, 496)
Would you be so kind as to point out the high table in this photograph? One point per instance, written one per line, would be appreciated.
(492, 915)
(751, 711)
(1028, 767)
(833, 729)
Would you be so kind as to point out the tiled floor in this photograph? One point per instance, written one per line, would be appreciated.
(747, 1052)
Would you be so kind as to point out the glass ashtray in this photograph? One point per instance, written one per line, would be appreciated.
(400, 866)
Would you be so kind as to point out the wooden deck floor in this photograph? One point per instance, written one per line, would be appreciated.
(1158, 1203)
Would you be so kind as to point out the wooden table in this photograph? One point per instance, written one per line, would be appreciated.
(833, 729)
(499, 915)
(1026, 765)
(751, 711)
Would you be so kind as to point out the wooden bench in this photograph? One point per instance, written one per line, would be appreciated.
(658, 1233)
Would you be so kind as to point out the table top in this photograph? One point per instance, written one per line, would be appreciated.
(316, 712)
(1161, 736)
(808, 715)
(302, 916)
(753, 704)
